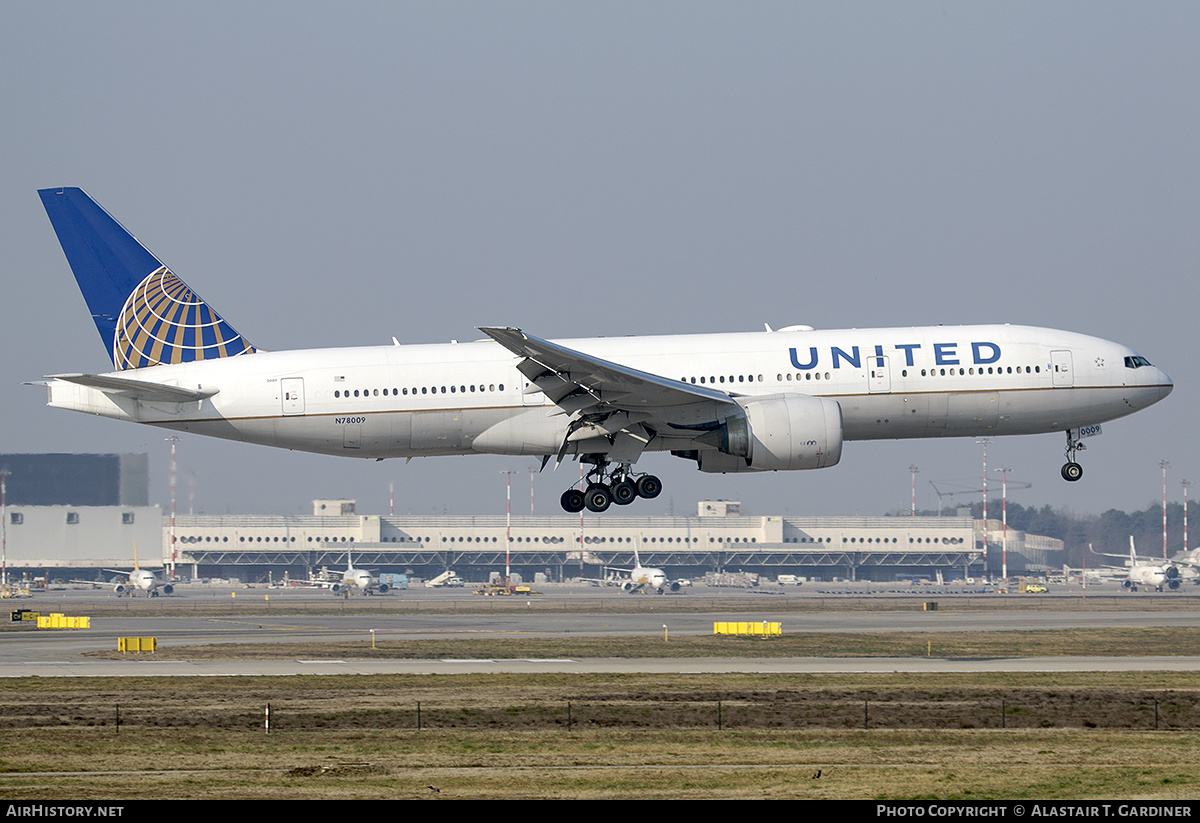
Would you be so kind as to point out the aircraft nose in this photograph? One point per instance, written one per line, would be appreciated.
(1165, 386)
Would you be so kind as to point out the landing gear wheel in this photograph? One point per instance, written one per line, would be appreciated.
(606, 484)
(1072, 471)
(572, 501)
(597, 498)
(624, 493)
(649, 486)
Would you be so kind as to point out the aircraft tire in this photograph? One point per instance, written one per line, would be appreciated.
(624, 493)
(597, 498)
(572, 501)
(649, 486)
(1072, 471)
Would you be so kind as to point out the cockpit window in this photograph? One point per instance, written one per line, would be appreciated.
(1136, 361)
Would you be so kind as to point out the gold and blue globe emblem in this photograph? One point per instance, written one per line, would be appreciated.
(164, 321)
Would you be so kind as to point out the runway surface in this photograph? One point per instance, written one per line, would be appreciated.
(151, 668)
(26, 652)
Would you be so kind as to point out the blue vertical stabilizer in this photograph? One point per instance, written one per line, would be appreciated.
(145, 314)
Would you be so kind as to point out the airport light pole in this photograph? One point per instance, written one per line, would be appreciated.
(1164, 465)
(914, 470)
(984, 442)
(507, 521)
(173, 441)
(1004, 520)
(581, 522)
(4, 473)
(1185, 484)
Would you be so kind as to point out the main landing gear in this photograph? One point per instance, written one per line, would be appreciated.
(1071, 470)
(603, 487)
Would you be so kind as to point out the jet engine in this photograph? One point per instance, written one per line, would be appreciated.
(168, 588)
(784, 432)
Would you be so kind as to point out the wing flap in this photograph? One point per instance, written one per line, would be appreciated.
(615, 385)
(614, 409)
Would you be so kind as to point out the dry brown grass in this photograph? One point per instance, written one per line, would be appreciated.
(1060, 643)
(652, 736)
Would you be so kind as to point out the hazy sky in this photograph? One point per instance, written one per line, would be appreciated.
(337, 174)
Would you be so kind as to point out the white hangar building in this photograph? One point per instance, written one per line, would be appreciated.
(718, 539)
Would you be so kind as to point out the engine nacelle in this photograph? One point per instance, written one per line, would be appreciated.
(383, 588)
(779, 433)
(1172, 572)
(1173, 584)
(168, 588)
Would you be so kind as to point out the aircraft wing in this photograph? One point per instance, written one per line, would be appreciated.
(606, 399)
(560, 372)
(138, 389)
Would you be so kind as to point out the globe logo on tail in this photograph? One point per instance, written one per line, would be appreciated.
(164, 321)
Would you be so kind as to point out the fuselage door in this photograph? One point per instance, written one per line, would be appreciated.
(1060, 365)
(533, 398)
(879, 379)
(292, 395)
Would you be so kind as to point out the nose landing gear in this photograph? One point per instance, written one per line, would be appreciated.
(1072, 471)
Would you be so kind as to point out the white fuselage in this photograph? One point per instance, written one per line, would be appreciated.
(359, 578)
(141, 580)
(144, 580)
(414, 400)
(648, 576)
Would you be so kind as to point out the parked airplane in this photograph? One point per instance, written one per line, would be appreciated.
(1147, 573)
(353, 578)
(762, 401)
(646, 577)
(1189, 565)
(140, 580)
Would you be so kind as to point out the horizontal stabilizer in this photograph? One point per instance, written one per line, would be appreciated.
(138, 389)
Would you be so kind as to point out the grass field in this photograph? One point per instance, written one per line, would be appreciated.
(643, 736)
(1065, 643)
(733, 736)
(1080, 736)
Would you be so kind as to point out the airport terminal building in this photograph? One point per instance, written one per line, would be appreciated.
(567, 546)
(53, 531)
(78, 511)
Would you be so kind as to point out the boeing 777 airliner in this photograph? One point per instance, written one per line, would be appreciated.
(761, 401)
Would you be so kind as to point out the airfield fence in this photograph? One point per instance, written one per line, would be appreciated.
(1163, 711)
